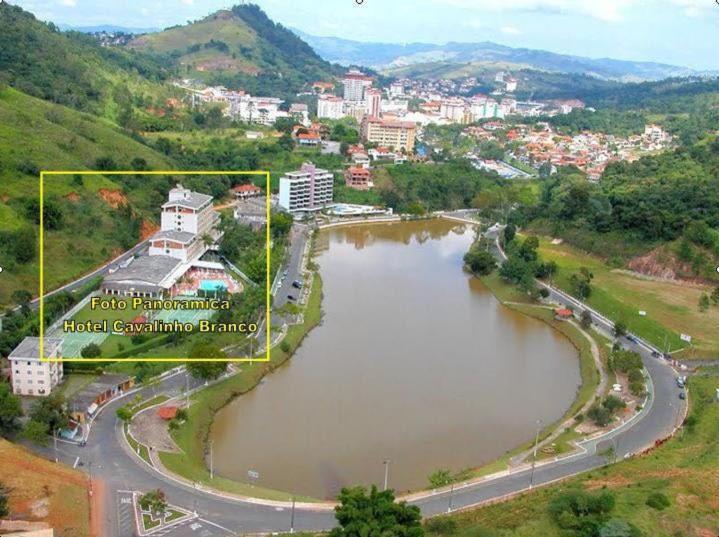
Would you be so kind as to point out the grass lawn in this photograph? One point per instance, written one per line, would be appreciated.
(191, 436)
(672, 308)
(43, 491)
(74, 382)
(683, 469)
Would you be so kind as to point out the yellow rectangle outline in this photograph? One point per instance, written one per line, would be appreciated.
(268, 300)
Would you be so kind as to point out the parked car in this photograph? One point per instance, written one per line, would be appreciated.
(296, 284)
(291, 297)
(682, 395)
(655, 354)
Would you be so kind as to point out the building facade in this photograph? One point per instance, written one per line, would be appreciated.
(398, 135)
(358, 178)
(355, 83)
(308, 189)
(330, 107)
(32, 376)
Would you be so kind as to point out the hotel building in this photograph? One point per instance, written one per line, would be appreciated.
(309, 189)
(399, 135)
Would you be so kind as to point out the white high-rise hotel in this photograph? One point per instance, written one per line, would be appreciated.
(188, 218)
(309, 189)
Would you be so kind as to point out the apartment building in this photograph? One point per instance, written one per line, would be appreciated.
(355, 83)
(308, 189)
(32, 376)
(358, 178)
(330, 107)
(398, 135)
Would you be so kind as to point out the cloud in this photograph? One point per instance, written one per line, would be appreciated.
(604, 10)
(187, 2)
(694, 8)
(510, 30)
(68, 3)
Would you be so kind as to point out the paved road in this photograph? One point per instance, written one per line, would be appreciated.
(293, 270)
(106, 456)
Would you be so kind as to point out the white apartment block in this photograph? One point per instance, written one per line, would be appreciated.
(260, 110)
(453, 110)
(309, 189)
(330, 107)
(355, 83)
(187, 218)
(32, 376)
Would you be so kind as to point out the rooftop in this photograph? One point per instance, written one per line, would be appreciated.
(149, 269)
(29, 348)
(184, 237)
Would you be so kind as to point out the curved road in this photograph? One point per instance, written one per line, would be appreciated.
(106, 456)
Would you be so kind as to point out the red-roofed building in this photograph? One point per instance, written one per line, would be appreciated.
(309, 139)
(167, 413)
(358, 178)
(563, 314)
(247, 191)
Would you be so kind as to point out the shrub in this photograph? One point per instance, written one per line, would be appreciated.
(442, 525)
(658, 501)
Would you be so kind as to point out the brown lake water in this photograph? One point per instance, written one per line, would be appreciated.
(415, 362)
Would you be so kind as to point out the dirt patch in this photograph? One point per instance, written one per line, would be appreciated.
(114, 198)
(148, 229)
(4, 198)
(615, 481)
(73, 197)
(44, 492)
(151, 430)
(661, 263)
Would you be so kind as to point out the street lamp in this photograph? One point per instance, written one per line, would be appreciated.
(292, 517)
(386, 473)
(451, 493)
(534, 454)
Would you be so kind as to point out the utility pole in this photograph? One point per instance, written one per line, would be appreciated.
(54, 441)
(386, 473)
(212, 468)
(187, 388)
(451, 493)
(534, 454)
(292, 519)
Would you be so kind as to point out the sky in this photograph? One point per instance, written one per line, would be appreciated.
(679, 32)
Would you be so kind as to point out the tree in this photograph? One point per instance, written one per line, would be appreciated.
(4, 493)
(91, 351)
(620, 329)
(37, 432)
(124, 414)
(704, 302)
(585, 319)
(715, 296)
(51, 411)
(375, 515)
(509, 233)
(10, 410)
(154, 502)
(619, 528)
(21, 297)
(480, 261)
(206, 370)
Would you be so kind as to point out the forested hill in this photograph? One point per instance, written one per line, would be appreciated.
(71, 68)
(240, 47)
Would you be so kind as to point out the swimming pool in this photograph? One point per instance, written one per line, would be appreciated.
(213, 285)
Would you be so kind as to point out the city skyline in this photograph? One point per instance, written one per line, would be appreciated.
(619, 29)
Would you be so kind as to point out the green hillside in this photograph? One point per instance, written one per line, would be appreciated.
(239, 47)
(35, 135)
(71, 68)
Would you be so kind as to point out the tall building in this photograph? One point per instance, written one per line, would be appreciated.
(453, 110)
(330, 107)
(308, 189)
(355, 83)
(373, 102)
(30, 375)
(188, 219)
(399, 135)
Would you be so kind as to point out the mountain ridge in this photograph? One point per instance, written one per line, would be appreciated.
(386, 56)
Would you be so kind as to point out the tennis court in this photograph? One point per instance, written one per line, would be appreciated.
(183, 316)
(74, 342)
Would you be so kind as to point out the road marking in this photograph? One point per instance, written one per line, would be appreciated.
(76, 461)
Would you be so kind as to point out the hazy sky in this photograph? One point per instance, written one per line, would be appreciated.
(682, 32)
